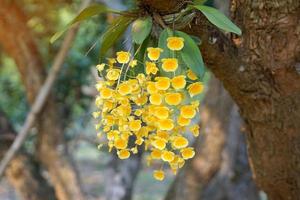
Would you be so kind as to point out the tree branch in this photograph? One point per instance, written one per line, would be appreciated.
(42, 96)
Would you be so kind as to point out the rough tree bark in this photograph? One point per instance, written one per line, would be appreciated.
(18, 42)
(23, 173)
(220, 163)
(259, 70)
(269, 98)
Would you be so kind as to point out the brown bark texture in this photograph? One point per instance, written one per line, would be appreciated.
(17, 40)
(259, 70)
(220, 163)
(23, 173)
(269, 95)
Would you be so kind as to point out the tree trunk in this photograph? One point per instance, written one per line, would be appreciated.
(220, 163)
(18, 42)
(23, 173)
(259, 70)
(120, 176)
(269, 97)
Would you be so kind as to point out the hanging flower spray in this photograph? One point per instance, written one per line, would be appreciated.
(153, 110)
(148, 100)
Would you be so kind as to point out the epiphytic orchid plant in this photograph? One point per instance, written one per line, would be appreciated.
(148, 97)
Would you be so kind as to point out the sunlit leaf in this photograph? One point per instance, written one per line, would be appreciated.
(219, 19)
(113, 33)
(167, 53)
(83, 15)
(141, 56)
(162, 42)
(191, 54)
(141, 28)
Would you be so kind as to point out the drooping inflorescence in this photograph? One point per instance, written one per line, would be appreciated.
(150, 109)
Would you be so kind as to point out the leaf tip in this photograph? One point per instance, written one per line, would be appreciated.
(55, 37)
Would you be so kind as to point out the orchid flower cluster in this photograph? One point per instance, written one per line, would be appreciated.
(148, 110)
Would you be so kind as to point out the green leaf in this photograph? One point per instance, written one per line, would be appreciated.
(219, 19)
(141, 28)
(141, 56)
(191, 54)
(83, 15)
(197, 40)
(113, 33)
(167, 53)
(162, 43)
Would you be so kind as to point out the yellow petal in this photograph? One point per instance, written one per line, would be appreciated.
(175, 43)
(106, 93)
(135, 125)
(155, 99)
(191, 75)
(178, 82)
(183, 121)
(161, 112)
(180, 142)
(123, 57)
(159, 144)
(187, 153)
(166, 124)
(168, 156)
(123, 154)
(173, 99)
(120, 143)
(159, 175)
(170, 64)
(155, 154)
(154, 53)
(113, 74)
(162, 83)
(195, 88)
(124, 89)
(188, 112)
